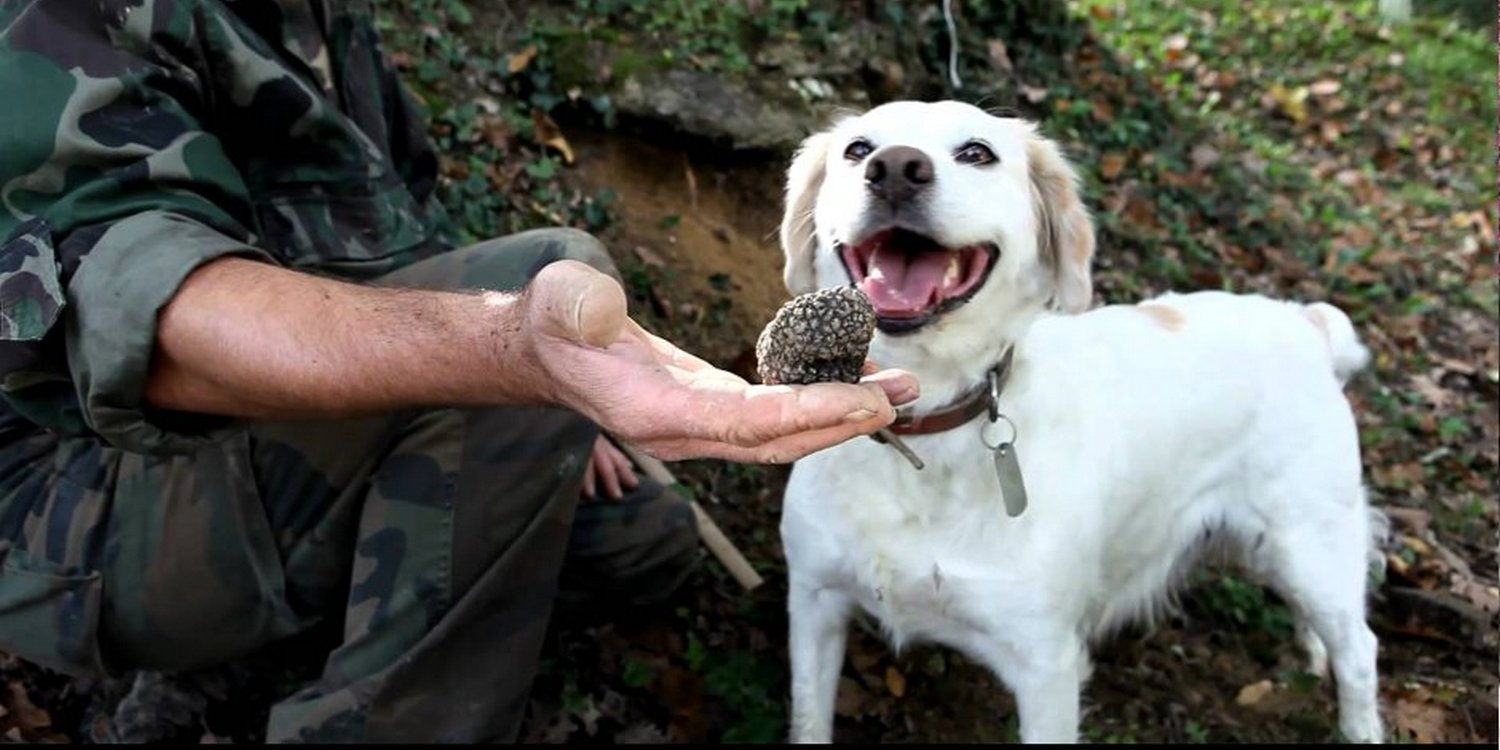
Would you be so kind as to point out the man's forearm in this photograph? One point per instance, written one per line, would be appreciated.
(247, 339)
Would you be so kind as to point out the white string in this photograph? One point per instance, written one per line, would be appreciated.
(952, 44)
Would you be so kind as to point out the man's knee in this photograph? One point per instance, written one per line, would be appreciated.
(507, 263)
(637, 551)
(538, 248)
(576, 244)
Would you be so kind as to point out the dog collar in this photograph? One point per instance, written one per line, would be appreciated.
(985, 398)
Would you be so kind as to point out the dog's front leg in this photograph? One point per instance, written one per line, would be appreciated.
(1046, 677)
(819, 621)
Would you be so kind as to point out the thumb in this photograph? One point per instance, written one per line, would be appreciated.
(574, 302)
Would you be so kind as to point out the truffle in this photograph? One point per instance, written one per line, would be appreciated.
(818, 337)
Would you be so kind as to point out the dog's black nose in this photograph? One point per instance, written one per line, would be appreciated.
(898, 173)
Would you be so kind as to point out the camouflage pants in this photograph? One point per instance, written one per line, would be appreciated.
(439, 539)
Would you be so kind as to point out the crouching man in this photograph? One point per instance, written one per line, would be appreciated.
(250, 385)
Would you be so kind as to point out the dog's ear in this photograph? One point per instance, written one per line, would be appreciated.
(1066, 230)
(798, 230)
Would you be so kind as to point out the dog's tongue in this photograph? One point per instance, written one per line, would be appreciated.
(901, 284)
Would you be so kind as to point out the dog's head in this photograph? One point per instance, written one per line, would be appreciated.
(944, 215)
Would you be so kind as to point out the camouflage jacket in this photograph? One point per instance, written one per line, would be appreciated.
(140, 139)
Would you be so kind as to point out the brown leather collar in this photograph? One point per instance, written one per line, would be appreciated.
(971, 405)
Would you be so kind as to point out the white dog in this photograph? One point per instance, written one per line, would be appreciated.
(1130, 439)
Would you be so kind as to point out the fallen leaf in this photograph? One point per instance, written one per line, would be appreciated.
(681, 691)
(1175, 44)
(1324, 87)
(1103, 111)
(1414, 519)
(1290, 102)
(27, 715)
(548, 134)
(520, 60)
(1397, 565)
(1000, 57)
(1253, 693)
(1204, 156)
(1487, 598)
(649, 257)
(24, 720)
(1427, 722)
(895, 681)
(1111, 164)
(641, 733)
(1033, 94)
(1416, 545)
(852, 698)
(1432, 392)
(496, 133)
(1458, 366)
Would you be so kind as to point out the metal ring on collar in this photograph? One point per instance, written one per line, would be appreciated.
(1013, 432)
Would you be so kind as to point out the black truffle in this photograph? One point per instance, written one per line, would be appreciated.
(818, 337)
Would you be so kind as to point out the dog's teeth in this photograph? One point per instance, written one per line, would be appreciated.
(950, 277)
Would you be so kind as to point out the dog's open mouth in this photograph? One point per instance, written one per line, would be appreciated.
(911, 279)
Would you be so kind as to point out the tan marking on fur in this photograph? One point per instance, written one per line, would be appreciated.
(1066, 241)
(1165, 316)
(1315, 315)
(798, 232)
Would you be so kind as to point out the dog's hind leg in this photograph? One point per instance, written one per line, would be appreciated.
(1046, 676)
(1312, 646)
(1320, 569)
(819, 625)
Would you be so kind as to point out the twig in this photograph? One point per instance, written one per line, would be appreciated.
(952, 43)
(713, 536)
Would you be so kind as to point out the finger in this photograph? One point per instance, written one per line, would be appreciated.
(588, 478)
(572, 301)
(627, 471)
(784, 450)
(799, 419)
(608, 470)
(900, 386)
(756, 415)
(624, 470)
(599, 459)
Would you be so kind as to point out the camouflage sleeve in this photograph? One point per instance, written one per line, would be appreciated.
(112, 191)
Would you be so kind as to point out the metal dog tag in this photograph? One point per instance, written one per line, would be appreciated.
(1012, 487)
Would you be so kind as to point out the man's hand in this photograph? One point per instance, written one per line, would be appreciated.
(609, 469)
(253, 340)
(591, 357)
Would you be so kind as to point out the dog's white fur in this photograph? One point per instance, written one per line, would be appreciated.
(1147, 434)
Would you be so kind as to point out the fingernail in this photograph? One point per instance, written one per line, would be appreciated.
(859, 415)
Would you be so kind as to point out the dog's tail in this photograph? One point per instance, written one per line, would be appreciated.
(1350, 355)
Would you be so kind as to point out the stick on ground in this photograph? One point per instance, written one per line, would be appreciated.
(713, 536)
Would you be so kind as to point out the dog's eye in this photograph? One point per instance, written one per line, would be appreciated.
(858, 149)
(974, 153)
